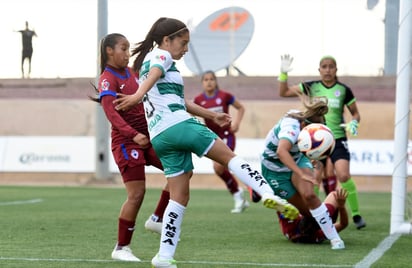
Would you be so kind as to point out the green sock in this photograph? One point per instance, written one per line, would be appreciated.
(350, 186)
(316, 189)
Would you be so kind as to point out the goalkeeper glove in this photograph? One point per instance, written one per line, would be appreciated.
(286, 63)
(352, 127)
(285, 67)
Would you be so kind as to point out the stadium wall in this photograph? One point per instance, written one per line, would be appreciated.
(59, 107)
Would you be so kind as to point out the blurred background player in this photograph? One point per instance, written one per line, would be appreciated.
(328, 177)
(130, 142)
(304, 229)
(290, 173)
(217, 100)
(27, 48)
(339, 96)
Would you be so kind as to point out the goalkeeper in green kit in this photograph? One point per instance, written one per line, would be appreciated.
(338, 96)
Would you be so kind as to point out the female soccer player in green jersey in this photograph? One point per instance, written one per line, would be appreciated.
(175, 133)
(339, 96)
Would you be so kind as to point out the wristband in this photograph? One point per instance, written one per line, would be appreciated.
(283, 77)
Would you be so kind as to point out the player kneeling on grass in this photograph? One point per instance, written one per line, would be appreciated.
(290, 173)
(304, 229)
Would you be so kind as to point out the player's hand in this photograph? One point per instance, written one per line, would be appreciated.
(222, 119)
(125, 102)
(341, 195)
(310, 179)
(352, 127)
(286, 63)
(142, 140)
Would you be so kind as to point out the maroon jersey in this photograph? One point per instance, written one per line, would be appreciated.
(219, 103)
(290, 228)
(128, 155)
(125, 124)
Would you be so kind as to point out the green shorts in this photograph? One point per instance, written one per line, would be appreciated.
(281, 182)
(175, 145)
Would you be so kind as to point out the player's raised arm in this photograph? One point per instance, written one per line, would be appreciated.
(284, 89)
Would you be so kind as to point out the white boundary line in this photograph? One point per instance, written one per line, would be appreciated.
(21, 202)
(53, 260)
(378, 252)
(371, 258)
(367, 261)
(211, 264)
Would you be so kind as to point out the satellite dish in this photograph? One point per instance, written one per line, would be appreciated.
(219, 40)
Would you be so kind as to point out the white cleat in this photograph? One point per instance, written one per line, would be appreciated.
(281, 205)
(240, 206)
(337, 244)
(124, 254)
(240, 202)
(153, 226)
(157, 262)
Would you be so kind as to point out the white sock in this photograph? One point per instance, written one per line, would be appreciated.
(322, 217)
(238, 196)
(172, 221)
(249, 176)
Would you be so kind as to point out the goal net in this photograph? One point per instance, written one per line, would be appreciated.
(401, 209)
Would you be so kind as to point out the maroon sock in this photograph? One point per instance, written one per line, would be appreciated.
(161, 205)
(332, 183)
(230, 181)
(325, 185)
(125, 232)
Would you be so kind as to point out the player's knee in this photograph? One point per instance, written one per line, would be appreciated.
(343, 177)
(136, 196)
(310, 198)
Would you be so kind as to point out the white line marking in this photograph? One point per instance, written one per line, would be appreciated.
(21, 202)
(378, 252)
(210, 264)
(53, 260)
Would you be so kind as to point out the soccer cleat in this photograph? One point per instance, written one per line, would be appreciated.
(272, 201)
(240, 203)
(157, 262)
(153, 226)
(359, 222)
(124, 254)
(240, 206)
(254, 196)
(337, 244)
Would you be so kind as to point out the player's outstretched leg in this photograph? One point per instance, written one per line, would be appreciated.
(252, 178)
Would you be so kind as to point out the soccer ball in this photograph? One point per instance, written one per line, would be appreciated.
(316, 141)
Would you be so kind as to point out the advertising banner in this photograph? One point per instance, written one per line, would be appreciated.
(77, 154)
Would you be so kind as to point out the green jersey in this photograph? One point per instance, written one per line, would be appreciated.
(339, 95)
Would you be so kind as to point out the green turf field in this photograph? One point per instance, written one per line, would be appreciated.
(77, 227)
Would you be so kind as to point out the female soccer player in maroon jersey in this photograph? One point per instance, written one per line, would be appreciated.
(215, 99)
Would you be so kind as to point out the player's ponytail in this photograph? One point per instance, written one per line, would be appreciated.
(96, 96)
(314, 110)
(161, 28)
